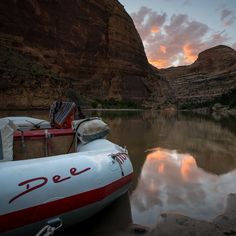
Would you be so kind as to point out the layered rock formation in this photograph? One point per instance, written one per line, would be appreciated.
(210, 79)
(71, 48)
(93, 45)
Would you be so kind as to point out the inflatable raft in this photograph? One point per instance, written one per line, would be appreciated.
(44, 194)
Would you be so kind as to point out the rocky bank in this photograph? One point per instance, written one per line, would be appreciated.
(74, 49)
(209, 80)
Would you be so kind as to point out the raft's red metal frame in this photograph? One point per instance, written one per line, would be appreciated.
(40, 133)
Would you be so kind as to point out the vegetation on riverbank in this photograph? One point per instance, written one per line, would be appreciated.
(13, 64)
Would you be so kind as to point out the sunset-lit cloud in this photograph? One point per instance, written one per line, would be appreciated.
(189, 54)
(158, 154)
(148, 21)
(187, 165)
(155, 29)
(177, 39)
(172, 182)
(161, 63)
(163, 49)
(161, 168)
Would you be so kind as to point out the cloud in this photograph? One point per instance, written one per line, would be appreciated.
(187, 2)
(189, 55)
(163, 49)
(147, 20)
(171, 181)
(234, 46)
(227, 17)
(225, 13)
(174, 40)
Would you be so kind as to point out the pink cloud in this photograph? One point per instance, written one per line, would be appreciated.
(227, 17)
(176, 40)
(234, 46)
(146, 20)
(163, 49)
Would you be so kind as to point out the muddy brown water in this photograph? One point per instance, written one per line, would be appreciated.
(183, 163)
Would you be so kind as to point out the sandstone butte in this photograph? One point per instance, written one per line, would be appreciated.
(90, 49)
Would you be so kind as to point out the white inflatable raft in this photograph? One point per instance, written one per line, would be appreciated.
(61, 190)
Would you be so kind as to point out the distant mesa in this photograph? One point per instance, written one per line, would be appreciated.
(220, 58)
(209, 80)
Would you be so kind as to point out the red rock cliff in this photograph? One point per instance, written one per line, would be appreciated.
(92, 44)
(50, 49)
(210, 79)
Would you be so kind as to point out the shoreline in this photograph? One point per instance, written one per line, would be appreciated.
(181, 225)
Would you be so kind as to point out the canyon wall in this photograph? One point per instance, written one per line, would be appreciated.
(60, 49)
(209, 80)
(91, 45)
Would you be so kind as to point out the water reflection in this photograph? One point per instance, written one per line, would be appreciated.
(193, 180)
(112, 220)
(172, 182)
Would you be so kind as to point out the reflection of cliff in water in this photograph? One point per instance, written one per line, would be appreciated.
(212, 145)
(209, 142)
(197, 141)
(127, 131)
(172, 182)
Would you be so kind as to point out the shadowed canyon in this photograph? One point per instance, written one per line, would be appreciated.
(62, 49)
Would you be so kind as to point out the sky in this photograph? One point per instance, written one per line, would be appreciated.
(174, 32)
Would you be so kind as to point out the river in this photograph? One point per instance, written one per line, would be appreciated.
(183, 163)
